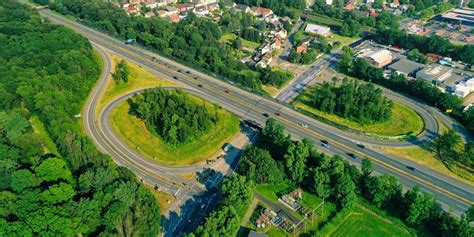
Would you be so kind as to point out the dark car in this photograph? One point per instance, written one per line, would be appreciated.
(266, 115)
(352, 155)
(227, 91)
(200, 85)
(361, 146)
(411, 168)
(179, 70)
(188, 72)
(277, 114)
(175, 77)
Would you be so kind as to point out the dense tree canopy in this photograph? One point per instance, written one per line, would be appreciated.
(173, 115)
(359, 102)
(195, 41)
(46, 72)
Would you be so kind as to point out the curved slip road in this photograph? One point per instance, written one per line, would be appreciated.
(457, 195)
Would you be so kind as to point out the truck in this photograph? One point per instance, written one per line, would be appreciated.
(227, 147)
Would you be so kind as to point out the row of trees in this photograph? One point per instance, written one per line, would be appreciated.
(173, 115)
(307, 57)
(359, 102)
(450, 148)
(195, 40)
(236, 192)
(334, 179)
(46, 73)
(426, 44)
(418, 88)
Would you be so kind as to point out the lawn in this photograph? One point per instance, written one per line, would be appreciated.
(135, 133)
(361, 222)
(403, 123)
(343, 39)
(46, 141)
(229, 37)
(273, 191)
(164, 199)
(427, 158)
(139, 78)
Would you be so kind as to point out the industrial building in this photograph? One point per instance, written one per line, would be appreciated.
(317, 29)
(464, 88)
(435, 74)
(459, 17)
(379, 58)
(405, 67)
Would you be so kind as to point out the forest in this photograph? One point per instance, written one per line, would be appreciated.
(46, 73)
(194, 41)
(173, 115)
(333, 179)
(358, 102)
(418, 88)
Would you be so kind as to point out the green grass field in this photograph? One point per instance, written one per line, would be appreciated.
(361, 222)
(135, 133)
(46, 141)
(229, 37)
(404, 120)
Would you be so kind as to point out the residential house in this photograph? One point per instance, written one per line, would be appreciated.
(263, 12)
(265, 60)
(276, 44)
(282, 33)
(173, 18)
(161, 13)
(124, 5)
(201, 11)
(302, 47)
(242, 8)
(464, 88)
(151, 4)
(172, 10)
(213, 7)
(149, 14)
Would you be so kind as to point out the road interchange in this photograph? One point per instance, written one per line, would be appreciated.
(459, 196)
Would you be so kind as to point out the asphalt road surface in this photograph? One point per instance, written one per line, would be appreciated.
(451, 193)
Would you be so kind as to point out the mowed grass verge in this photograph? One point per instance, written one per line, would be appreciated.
(230, 37)
(404, 121)
(139, 78)
(134, 132)
(361, 222)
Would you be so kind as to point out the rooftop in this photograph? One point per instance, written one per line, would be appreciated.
(405, 66)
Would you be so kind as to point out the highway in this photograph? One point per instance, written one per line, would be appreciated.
(457, 195)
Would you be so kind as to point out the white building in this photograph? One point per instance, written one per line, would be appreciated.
(435, 74)
(317, 29)
(379, 58)
(329, 2)
(464, 88)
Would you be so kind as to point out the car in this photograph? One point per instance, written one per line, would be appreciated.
(277, 114)
(195, 78)
(153, 59)
(304, 125)
(411, 168)
(227, 91)
(266, 115)
(188, 72)
(179, 70)
(325, 145)
(200, 85)
(352, 155)
(324, 142)
(175, 77)
(361, 146)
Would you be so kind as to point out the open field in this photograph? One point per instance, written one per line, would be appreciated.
(229, 37)
(362, 221)
(46, 141)
(343, 39)
(139, 78)
(403, 122)
(135, 133)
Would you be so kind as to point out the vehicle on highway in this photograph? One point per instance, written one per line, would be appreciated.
(179, 70)
(175, 77)
(227, 91)
(200, 85)
(352, 155)
(266, 115)
(277, 114)
(304, 125)
(195, 78)
(325, 145)
(411, 168)
(153, 59)
(361, 146)
(188, 72)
